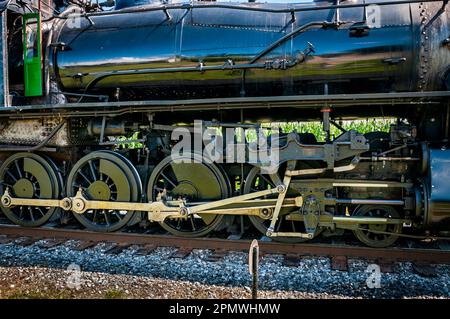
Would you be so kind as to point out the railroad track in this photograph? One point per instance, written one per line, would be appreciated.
(292, 253)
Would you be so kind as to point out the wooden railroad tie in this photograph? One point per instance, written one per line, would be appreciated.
(425, 270)
(339, 263)
(117, 249)
(26, 241)
(182, 252)
(145, 250)
(84, 244)
(291, 260)
(386, 265)
(216, 255)
(49, 243)
(6, 239)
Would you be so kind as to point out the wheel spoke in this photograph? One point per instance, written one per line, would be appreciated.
(269, 182)
(91, 167)
(31, 213)
(280, 220)
(192, 223)
(168, 180)
(84, 176)
(12, 176)
(107, 220)
(119, 217)
(16, 163)
(40, 211)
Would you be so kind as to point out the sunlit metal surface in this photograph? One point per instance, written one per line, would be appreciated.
(383, 60)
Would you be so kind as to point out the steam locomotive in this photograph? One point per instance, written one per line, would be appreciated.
(98, 97)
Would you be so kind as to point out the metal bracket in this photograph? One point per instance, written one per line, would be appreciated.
(60, 46)
(394, 61)
(168, 16)
(311, 214)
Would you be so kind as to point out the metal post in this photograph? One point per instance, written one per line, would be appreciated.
(253, 260)
(255, 275)
(326, 123)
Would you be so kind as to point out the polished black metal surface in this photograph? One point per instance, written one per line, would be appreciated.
(438, 205)
(221, 52)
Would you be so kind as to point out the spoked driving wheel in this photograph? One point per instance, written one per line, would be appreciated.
(28, 175)
(255, 182)
(375, 235)
(195, 182)
(105, 176)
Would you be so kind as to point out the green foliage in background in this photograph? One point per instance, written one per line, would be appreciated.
(314, 127)
(361, 126)
(131, 138)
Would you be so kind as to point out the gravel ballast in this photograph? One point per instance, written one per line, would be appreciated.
(157, 275)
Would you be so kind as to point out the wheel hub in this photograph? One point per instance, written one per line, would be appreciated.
(186, 189)
(99, 190)
(24, 188)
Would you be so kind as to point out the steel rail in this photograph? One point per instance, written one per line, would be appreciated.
(305, 249)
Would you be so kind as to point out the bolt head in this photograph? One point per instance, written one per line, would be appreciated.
(66, 204)
(79, 205)
(281, 189)
(6, 201)
(184, 211)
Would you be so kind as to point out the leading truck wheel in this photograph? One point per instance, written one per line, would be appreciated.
(195, 182)
(28, 175)
(375, 235)
(105, 176)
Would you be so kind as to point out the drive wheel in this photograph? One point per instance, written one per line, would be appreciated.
(193, 181)
(105, 176)
(255, 182)
(373, 239)
(28, 175)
